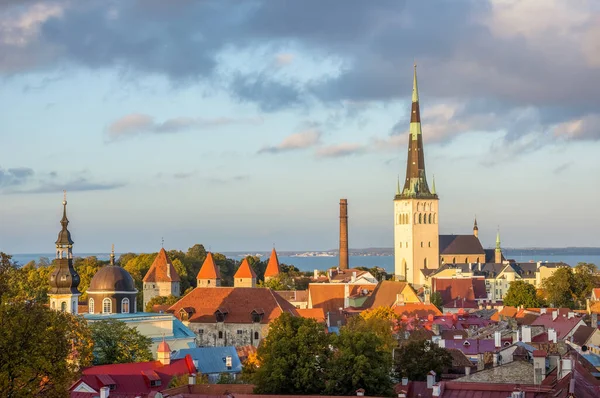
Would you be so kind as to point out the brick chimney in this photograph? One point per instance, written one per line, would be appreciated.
(343, 234)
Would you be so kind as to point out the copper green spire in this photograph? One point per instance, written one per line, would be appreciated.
(498, 240)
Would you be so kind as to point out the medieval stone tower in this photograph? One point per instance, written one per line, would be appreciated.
(416, 230)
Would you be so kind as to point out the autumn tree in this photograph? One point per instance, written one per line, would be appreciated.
(292, 357)
(415, 358)
(560, 288)
(585, 278)
(521, 293)
(381, 321)
(115, 342)
(41, 350)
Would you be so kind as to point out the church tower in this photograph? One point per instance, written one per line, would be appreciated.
(416, 231)
(64, 280)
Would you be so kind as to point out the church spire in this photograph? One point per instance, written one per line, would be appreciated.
(415, 185)
(475, 228)
(112, 255)
(498, 251)
(64, 236)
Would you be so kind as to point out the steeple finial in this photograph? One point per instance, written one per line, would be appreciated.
(112, 255)
(64, 236)
(162, 242)
(475, 223)
(415, 92)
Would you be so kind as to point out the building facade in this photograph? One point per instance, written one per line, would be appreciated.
(416, 221)
(64, 280)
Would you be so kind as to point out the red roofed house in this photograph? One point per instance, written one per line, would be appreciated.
(245, 276)
(209, 274)
(272, 269)
(230, 316)
(161, 279)
(137, 379)
(468, 290)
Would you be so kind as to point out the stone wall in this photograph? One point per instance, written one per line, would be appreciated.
(221, 334)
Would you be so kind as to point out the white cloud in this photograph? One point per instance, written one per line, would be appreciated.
(18, 27)
(300, 140)
(340, 150)
(284, 59)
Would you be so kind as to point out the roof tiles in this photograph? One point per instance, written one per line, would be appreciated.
(209, 269)
(273, 265)
(245, 270)
(162, 269)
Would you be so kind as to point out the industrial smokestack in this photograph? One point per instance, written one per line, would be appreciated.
(343, 234)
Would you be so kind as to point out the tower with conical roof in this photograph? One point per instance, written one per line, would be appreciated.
(416, 231)
(161, 279)
(498, 251)
(245, 275)
(63, 293)
(272, 270)
(209, 274)
(475, 228)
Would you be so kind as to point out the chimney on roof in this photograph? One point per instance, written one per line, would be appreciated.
(467, 370)
(104, 392)
(594, 320)
(566, 366)
(353, 279)
(539, 366)
(405, 381)
(437, 390)
(497, 339)
(435, 328)
(526, 332)
(542, 311)
(430, 379)
(571, 314)
(552, 336)
(192, 379)
(495, 359)
(554, 315)
(399, 299)
(480, 362)
(360, 392)
(316, 274)
(343, 234)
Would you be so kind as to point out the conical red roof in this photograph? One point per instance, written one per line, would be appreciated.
(209, 269)
(162, 270)
(245, 271)
(273, 265)
(163, 347)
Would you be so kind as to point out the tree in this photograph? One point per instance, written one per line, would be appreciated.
(415, 358)
(521, 293)
(381, 321)
(560, 288)
(41, 350)
(115, 342)
(437, 300)
(292, 357)
(585, 278)
(160, 300)
(281, 282)
(361, 359)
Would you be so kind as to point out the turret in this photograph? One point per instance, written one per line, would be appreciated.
(498, 251)
(475, 229)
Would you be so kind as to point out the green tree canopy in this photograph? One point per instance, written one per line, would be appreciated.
(521, 293)
(437, 300)
(292, 357)
(361, 359)
(415, 358)
(160, 300)
(585, 278)
(41, 350)
(115, 342)
(560, 288)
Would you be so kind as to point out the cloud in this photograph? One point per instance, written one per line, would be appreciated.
(15, 176)
(340, 150)
(138, 123)
(26, 180)
(227, 180)
(302, 140)
(183, 175)
(284, 59)
(584, 128)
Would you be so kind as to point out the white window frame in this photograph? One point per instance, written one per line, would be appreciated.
(104, 302)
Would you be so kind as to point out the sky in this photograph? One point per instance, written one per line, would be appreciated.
(240, 125)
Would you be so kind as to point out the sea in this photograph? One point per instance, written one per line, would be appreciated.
(324, 262)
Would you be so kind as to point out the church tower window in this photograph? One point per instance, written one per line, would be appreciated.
(106, 306)
(125, 306)
(63, 306)
(91, 306)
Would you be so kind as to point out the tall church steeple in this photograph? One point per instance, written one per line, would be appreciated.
(64, 280)
(416, 231)
(498, 251)
(415, 184)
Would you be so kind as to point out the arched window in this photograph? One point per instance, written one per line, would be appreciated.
(429, 218)
(106, 306)
(466, 260)
(63, 306)
(418, 206)
(53, 306)
(421, 244)
(425, 262)
(429, 244)
(91, 306)
(420, 218)
(125, 306)
(453, 260)
(255, 335)
(434, 218)
(477, 260)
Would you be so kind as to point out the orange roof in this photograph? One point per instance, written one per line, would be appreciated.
(245, 271)
(419, 310)
(209, 269)
(596, 293)
(163, 347)
(315, 313)
(162, 270)
(595, 307)
(385, 294)
(506, 312)
(237, 303)
(273, 265)
(329, 297)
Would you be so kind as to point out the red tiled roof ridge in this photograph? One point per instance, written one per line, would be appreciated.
(245, 270)
(273, 265)
(209, 269)
(162, 269)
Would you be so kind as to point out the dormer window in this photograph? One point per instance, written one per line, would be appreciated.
(155, 383)
(221, 314)
(257, 315)
(466, 343)
(185, 313)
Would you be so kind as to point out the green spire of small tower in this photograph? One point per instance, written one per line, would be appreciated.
(498, 240)
(498, 251)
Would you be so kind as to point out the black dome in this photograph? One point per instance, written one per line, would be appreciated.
(112, 278)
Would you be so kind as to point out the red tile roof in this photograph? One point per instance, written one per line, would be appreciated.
(245, 271)
(237, 302)
(596, 293)
(505, 313)
(464, 288)
(562, 324)
(273, 265)
(162, 270)
(133, 379)
(209, 269)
